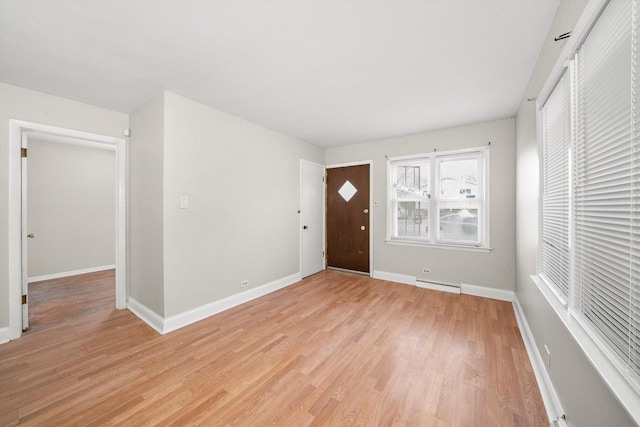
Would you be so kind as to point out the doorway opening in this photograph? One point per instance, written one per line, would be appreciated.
(18, 232)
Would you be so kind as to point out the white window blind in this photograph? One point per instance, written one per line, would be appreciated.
(556, 142)
(605, 295)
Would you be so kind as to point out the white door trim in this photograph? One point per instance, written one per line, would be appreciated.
(360, 163)
(24, 278)
(16, 127)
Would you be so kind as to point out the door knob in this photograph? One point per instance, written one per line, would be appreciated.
(362, 227)
(366, 211)
(31, 235)
(305, 226)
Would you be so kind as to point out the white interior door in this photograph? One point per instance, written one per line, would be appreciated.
(312, 218)
(25, 234)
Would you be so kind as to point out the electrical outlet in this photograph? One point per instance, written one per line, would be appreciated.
(426, 271)
(244, 283)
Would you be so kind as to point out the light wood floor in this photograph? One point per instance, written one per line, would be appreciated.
(334, 349)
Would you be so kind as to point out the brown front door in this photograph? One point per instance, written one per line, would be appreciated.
(348, 218)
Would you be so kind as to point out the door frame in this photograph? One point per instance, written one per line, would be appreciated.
(16, 127)
(360, 163)
(324, 211)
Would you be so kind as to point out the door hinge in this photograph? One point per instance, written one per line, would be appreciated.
(23, 152)
(322, 254)
(322, 178)
(24, 299)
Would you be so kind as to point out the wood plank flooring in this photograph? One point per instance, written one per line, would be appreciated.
(334, 349)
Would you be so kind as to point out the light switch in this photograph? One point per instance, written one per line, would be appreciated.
(184, 202)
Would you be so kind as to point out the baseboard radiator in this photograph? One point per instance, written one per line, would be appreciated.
(451, 287)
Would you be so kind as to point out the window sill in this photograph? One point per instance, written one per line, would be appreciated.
(561, 299)
(612, 377)
(413, 243)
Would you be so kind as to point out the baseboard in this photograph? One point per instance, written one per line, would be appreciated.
(171, 323)
(178, 321)
(394, 277)
(452, 289)
(70, 273)
(147, 315)
(413, 281)
(479, 291)
(482, 291)
(5, 337)
(549, 396)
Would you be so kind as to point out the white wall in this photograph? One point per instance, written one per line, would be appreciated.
(492, 270)
(243, 184)
(585, 398)
(22, 104)
(71, 207)
(146, 233)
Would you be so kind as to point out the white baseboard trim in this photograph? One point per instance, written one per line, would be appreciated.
(171, 323)
(549, 396)
(452, 289)
(482, 291)
(413, 281)
(178, 321)
(147, 315)
(5, 337)
(464, 288)
(70, 273)
(394, 277)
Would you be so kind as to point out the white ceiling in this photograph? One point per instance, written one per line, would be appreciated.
(326, 72)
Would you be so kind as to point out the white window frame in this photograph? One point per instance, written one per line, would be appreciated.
(434, 160)
(592, 345)
(566, 71)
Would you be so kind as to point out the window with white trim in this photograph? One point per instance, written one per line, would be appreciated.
(590, 167)
(439, 198)
(555, 153)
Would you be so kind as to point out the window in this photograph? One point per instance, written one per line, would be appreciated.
(555, 153)
(439, 199)
(607, 174)
(591, 188)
